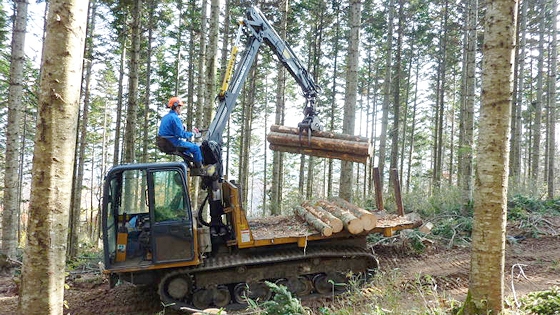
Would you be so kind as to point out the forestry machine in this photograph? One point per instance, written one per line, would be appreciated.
(152, 236)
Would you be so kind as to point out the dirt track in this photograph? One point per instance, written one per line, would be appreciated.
(539, 259)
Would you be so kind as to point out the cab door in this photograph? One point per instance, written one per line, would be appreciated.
(171, 217)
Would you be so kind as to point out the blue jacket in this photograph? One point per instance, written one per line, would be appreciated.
(171, 127)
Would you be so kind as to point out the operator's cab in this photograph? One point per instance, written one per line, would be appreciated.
(147, 217)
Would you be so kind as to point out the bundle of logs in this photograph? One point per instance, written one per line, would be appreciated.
(334, 215)
(320, 143)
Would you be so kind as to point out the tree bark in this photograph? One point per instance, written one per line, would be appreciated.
(10, 215)
(42, 284)
(486, 285)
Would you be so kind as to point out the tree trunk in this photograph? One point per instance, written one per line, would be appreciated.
(386, 91)
(393, 164)
(333, 108)
(412, 127)
(76, 203)
(132, 104)
(118, 122)
(552, 116)
(201, 89)
(466, 120)
(537, 105)
(486, 285)
(519, 90)
(147, 136)
(211, 59)
(10, 214)
(346, 170)
(440, 98)
(42, 284)
(278, 157)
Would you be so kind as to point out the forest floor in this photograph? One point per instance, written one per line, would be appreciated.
(532, 264)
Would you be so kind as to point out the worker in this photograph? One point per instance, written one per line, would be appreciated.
(171, 127)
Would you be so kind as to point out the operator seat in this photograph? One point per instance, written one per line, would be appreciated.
(165, 146)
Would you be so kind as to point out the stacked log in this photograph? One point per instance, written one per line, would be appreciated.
(321, 143)
(369, 219)
(325, 216)
(315, 222)
(337, 215)
(351, 223)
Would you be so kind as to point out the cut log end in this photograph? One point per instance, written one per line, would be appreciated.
(355, 226)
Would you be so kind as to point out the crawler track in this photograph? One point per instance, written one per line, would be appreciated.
(226, 280)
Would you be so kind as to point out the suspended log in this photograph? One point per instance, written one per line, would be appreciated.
(323, 144)
(322, 134)
(315, 222)
(321, 153)
(351, 223)
(315, 142)
(325, 216)
(369, 219)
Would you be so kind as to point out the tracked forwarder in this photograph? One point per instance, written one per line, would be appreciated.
(152, 236)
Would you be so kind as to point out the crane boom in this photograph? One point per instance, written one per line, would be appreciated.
(258, 30)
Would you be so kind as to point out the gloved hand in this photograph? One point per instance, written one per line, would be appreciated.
(196, 133)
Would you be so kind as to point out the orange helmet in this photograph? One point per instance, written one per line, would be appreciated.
(174, 102)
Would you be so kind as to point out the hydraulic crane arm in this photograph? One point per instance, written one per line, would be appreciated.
(258, 30)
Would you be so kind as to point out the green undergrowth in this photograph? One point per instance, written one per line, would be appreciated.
(386, 293)
(392, 293)
(542, 303)
(528, 216)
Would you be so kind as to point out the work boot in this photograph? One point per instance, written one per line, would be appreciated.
(214, 231)
(197, 169)
(218, 230)
(222, 231)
